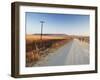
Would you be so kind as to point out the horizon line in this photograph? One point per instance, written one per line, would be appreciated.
(57, 34)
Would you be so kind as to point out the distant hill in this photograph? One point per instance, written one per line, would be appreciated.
(56, 35)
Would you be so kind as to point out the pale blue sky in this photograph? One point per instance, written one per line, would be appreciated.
(57, 23)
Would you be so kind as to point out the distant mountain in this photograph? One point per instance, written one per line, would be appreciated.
(61, 35)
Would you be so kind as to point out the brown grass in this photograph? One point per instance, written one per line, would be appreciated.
(35, 48)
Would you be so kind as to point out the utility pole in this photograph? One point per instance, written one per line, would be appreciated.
(42, 22)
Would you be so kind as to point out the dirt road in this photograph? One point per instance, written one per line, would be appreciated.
(72, 53)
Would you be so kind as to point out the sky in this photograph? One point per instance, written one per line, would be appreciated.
(71, 24)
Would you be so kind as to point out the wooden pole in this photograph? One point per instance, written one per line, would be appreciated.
(42, 22)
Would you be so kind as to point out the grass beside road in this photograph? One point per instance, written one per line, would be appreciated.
(37, 48)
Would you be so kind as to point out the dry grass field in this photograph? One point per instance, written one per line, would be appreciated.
(37, 48)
